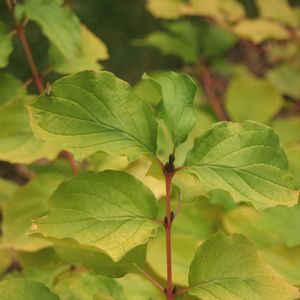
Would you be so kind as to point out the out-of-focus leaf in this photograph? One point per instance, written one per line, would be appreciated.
(227, 267)
(136, 287)
(260, 30)
(58, 23)
(94, 259)
(286, 78)
(183, 249)
(288, 129)
(174, 41)
(245, 160)
(250, 98)
(285, 261)
(17, 142)
(293, 154)
(23, 289)
(76, 285)
(220, 10)
(279, 10)
(166, 9)
(11, 88)
(6, 46)
(216, 41)
(245, 220)
(91, 50)
(285, 221)
(28, 202)
(7, 189)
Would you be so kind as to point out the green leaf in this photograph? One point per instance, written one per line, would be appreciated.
(78, 285)
(22, 289)
(94, 259)
(279, 10)
(111, 211)
(17, 142)
(251, 98)
(286, 78)
(260, 30)
(28, 202)
(176, 109)
(91, 49)
(247, 161)
(173, 41)
(216, 41)
(91, 111)
(6, 46)
(11, 88)
(58, 23)
(227, 267)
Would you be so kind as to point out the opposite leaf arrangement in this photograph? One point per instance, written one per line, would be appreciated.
(104, 220)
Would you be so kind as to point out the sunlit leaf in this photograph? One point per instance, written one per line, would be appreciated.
(91, 111)
(227, 267)
(101, 211)
(176, 109)
(247, 161)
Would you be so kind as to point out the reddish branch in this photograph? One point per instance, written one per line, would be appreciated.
(37, 78)
(210, 92)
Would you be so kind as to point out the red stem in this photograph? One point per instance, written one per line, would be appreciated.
(71, 161)
(23, 39)
(210, 92)
(168, 227)
(37, 78)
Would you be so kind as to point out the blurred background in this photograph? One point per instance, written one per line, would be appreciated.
(244, 56)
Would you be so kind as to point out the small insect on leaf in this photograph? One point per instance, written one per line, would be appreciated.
(48, 89)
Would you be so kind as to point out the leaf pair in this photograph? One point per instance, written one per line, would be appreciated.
(92, 111)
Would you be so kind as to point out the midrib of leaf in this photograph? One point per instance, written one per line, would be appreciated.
(97, 122)
(107, 108)
(239, 191)
(218, 143)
